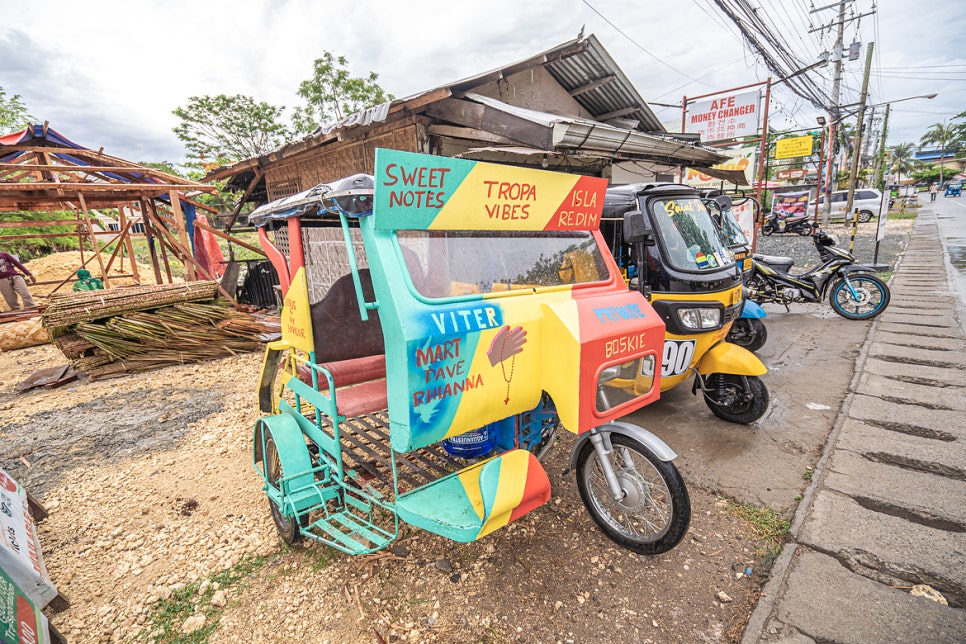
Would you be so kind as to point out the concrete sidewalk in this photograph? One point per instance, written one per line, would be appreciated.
(886, 509)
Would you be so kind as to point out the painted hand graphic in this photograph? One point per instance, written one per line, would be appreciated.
(507, 343)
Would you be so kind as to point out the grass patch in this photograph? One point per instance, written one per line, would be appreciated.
(166, 617)
(767, 524)
(898, 214)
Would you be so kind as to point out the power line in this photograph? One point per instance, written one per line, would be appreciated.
(638, 45)
(893, 69)
(758, 29)
(717, 19)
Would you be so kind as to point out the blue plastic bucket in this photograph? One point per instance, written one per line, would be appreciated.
(472, 444)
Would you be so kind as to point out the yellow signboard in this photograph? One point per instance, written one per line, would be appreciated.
(798, 146)
(296, 316)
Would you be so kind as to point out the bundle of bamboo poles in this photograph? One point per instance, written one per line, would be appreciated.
(133, 330)
(71, 308)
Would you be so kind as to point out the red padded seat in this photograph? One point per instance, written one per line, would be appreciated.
(361, 383)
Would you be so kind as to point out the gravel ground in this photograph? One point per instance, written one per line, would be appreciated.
(803, 251)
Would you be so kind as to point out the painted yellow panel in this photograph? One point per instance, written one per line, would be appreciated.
(494, 197)
(296, 316)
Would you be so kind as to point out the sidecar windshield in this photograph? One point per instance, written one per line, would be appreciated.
(732, 231)
(454, 262)
(688, 236)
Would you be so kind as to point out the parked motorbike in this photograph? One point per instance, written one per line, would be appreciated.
(748, 330)
(780, 223)
(683, 266)
(852, 289)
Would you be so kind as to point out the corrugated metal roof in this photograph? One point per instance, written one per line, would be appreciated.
(619, 95)
(575, 133)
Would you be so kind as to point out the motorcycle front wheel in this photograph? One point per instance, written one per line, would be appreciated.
(736, 399)
(655, 511)
(871, 297)
(749, 333)
(767, 229)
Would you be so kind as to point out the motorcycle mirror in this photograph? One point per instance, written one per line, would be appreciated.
(636, 229)
(724, 202)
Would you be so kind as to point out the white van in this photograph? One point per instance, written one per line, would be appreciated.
(867, 200)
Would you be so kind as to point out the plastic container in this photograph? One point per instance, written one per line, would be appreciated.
(472, 444)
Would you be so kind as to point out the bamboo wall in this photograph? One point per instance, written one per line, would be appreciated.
(332, 162)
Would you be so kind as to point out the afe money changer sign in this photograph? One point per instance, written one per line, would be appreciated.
(724, 117)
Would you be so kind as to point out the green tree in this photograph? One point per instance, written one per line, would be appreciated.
(333, 93)
(946, 137)
(28, 249)
(927, 174)
(226, 128)
(13, 113)
(903, 159)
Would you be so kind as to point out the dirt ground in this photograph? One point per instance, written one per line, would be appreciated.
(150, 489)
(157, 522)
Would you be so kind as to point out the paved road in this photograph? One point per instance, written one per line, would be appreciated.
(885, 510)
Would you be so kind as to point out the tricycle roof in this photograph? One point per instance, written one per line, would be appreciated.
(352, 194)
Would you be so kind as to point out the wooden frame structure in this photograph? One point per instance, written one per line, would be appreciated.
(41, 170)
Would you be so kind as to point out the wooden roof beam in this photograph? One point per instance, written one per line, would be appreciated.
(617, 113)
(589, 87)
(154, 188)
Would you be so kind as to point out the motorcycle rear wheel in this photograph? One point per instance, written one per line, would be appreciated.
(749, 333)
(656, 509)
(805, 229)
(736, 399)
(873, 297)
(288, 527)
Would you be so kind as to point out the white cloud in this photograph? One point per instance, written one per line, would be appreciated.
(109, 73)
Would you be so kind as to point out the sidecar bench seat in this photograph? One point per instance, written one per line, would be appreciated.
(782, 263)
(360, 382)
(478, 499)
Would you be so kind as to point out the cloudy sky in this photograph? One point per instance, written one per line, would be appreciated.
(109, 72)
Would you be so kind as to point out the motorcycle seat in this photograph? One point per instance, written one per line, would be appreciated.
(779, 262)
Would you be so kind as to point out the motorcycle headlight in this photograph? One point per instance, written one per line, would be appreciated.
(700, 318)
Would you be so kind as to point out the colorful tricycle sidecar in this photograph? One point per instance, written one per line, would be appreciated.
(440, 320)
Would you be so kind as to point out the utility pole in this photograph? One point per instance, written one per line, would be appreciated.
(880, 159)
(869, 139)
(834, 107)
(836, 89)
(857, 153)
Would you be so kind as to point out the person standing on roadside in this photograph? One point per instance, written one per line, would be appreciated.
(12, 282)
(933, 191)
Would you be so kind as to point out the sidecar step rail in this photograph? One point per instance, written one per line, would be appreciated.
(349, 533)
